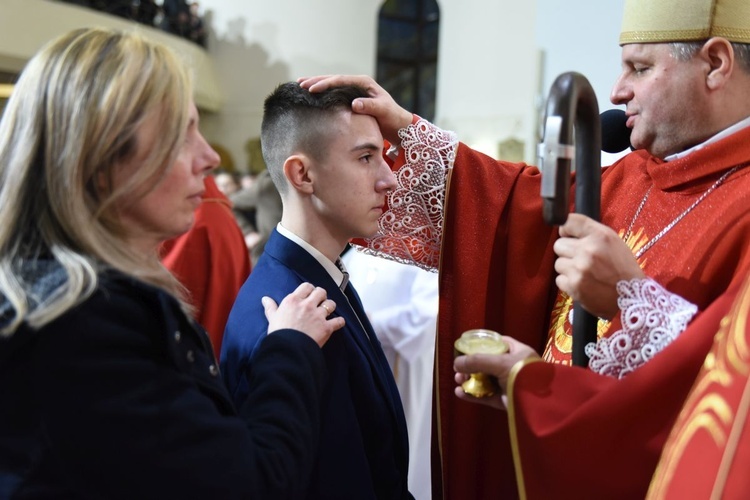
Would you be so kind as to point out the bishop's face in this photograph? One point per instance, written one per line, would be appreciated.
(664, 98)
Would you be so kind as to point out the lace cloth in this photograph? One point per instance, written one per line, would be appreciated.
(411, 230)
(652, 318)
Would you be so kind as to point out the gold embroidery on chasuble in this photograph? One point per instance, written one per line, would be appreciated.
(560, 338)
(712, 403)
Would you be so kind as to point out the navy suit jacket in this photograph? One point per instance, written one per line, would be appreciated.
(363, 450)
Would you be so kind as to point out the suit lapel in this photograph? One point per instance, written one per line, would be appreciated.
(383, 368)
(304, 265)
(350, 308)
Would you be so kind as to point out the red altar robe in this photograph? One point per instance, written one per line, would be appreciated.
(577, 434)
(211, 260)
(708, 452)
(496, 271)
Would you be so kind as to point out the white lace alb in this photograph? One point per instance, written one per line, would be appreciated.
(652, 318)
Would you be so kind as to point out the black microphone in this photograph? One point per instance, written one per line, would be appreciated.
(615, 133)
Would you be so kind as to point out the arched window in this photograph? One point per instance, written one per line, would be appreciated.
(407, 53)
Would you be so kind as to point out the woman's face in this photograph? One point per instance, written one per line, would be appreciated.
(168, 209)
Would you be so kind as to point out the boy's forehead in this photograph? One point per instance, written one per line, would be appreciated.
(346, 120)
(356, 131)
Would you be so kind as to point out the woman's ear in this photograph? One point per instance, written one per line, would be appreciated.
(297, 173)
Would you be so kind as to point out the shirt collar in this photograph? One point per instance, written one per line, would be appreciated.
(335, 270)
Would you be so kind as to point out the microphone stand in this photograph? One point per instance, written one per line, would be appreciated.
(572, 102)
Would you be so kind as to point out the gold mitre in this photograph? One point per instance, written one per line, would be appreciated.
(656, 21)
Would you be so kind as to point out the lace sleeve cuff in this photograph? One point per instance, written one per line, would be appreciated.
(652, 318)
(411, 230)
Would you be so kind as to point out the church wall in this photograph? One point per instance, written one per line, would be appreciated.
(497, 58)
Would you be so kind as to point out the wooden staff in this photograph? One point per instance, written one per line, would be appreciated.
(572, 105)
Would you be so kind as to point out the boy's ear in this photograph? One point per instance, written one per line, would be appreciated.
(297, 173)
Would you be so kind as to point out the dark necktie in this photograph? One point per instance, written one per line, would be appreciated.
(352, 298)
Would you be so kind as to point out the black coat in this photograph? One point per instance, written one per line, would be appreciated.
(121, 398)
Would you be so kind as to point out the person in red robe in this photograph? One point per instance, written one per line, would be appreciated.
(211, 261)
(708, 451)
(675, 210)
(575, 433)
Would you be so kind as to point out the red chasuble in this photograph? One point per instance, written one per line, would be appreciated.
(580, 435)
(708, 452)
(496, 271)
(211, 261)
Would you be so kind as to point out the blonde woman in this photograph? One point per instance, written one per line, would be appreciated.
(108, 388)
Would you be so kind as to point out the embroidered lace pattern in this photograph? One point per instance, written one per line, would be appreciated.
(411, 230)
(651, 317)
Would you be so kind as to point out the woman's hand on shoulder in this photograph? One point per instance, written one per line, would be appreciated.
(307, 310)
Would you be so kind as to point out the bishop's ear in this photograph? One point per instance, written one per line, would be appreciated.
(719, 54)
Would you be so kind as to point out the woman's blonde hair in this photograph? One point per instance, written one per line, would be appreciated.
(74, 116)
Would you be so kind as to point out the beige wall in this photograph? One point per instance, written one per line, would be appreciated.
(490, 69)
(257, 44)
(488, 72)
(26, 25)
